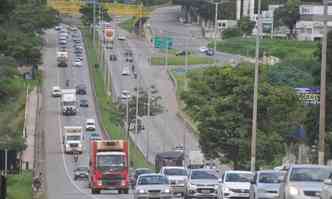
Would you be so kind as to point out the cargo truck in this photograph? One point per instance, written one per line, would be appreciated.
(69, 102)
(62, 59)
(108, 166)
(72, 139)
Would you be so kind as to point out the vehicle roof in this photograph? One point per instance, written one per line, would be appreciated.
(173, 167)
(56, 87)
(170, 154)
(151, 174)
(140, 169)
(237, 171)
(309, 166)
(111, 153)
(90, 120)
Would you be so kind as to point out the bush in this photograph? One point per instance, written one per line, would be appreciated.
(231, 32)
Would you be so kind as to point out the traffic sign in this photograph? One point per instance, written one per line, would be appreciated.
(163, 42)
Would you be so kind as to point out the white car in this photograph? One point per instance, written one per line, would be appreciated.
(77, 63)
(266, 184)
(125, 95)
(90, 125)
(177, 177)
(125, 71)
(56, 91)
(122, 38)
(236, 184)
(203, 49)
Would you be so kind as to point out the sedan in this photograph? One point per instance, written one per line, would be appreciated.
(183, 53)
(56, 91)
(202, 183)
(84, 103)
(90, 125)
(81, 172)
(265, 184)
(81, 89)
(77, 63)
(138, 172)
(113, 57)
(203, 49)
(121, 38)
(125, 71)
(152, 186)
(209, 52)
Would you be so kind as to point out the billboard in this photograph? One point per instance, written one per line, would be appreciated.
(310, 96)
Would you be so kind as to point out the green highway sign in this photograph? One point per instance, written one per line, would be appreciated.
(163, 42)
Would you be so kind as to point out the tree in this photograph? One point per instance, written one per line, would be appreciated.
(245, 25)
(87, 14)
(155, 106)
(220, 101)
(288, 15)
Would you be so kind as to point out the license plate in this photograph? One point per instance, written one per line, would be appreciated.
(243, 195)
(205, 191)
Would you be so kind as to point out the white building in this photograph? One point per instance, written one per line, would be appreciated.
(308, 28)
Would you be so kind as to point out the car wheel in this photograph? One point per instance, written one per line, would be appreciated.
(125, 191)
(75, 178)
(120, 191)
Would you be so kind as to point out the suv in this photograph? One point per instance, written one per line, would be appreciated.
(177, 177)
(81, 89)
(304, 181)
(203, 183)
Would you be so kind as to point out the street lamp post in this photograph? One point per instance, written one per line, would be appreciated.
(322, 113)
(254, 111)
(94, 22)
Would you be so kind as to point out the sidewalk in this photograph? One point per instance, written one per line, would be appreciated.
(29, 129)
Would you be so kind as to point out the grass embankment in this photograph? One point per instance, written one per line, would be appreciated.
(283, 49)
(109, 113)
(20, 186)
(172, 59)
(128, 24)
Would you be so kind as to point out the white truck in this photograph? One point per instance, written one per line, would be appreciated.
(72, 139)
(196, 160)
(69, 102)
(62, 59)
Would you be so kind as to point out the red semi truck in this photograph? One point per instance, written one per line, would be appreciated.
(109, 166)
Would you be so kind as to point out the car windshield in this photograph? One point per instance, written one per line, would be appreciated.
(142, 171)
(90, 123)
(175, 172)
(271, 177)
(107, 162)
(238, 177)
(82, 169)
(153, 179)
(74, 137)
(204, 175)
(309, 174)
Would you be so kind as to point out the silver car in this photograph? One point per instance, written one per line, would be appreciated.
(177, 177)
(304, 181)
(327, 189)
(203, 183)
(266, 184)
(152, 186)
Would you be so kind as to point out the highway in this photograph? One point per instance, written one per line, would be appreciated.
(59, 167)
(162, 132)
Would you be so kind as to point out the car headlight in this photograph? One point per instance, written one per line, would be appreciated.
(226, 189)
(216, 186)
(99, 183)
(192, 186)
(167, 191)
(141, 191)
(293, 190)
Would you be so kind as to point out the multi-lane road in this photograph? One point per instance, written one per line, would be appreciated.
(59, 167)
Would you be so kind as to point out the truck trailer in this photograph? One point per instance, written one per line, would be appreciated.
(109, 166)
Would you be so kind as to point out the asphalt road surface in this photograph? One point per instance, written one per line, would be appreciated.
(162, 132)
(164, 22)
(59, 167)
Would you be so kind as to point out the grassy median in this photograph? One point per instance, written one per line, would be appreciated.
(20, 186)
(111, 119)
(180, 60)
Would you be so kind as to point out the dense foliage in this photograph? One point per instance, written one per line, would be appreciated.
(22, 23)
(87, 14)
(220, 101)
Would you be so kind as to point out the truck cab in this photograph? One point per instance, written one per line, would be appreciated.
(72, 139)
(68, 102)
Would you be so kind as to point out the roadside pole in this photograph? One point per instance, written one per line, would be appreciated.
(6, 161)
(254, 111)
(322, 110)
(137, 97)
(94, 23)
(215, 32)
(147, 131)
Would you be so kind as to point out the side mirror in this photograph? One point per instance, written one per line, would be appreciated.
(328, 181)
(219, 180)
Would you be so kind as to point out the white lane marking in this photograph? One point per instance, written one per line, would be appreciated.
(62, 150)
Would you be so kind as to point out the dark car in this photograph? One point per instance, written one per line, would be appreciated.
(182, 53)
(84, 103)
(81, 89)
(81, 172)
(129, 59)
(113, 57)
(137, 172)
(94, 136)
(128, 53)
(210, 52)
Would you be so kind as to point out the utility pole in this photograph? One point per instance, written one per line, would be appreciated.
(322, 113)
(137, 97)
(215, 32)
(94, 23)
(6, 161)
(147, 131)
(186, 64)
(254, 111)
(127, 119)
